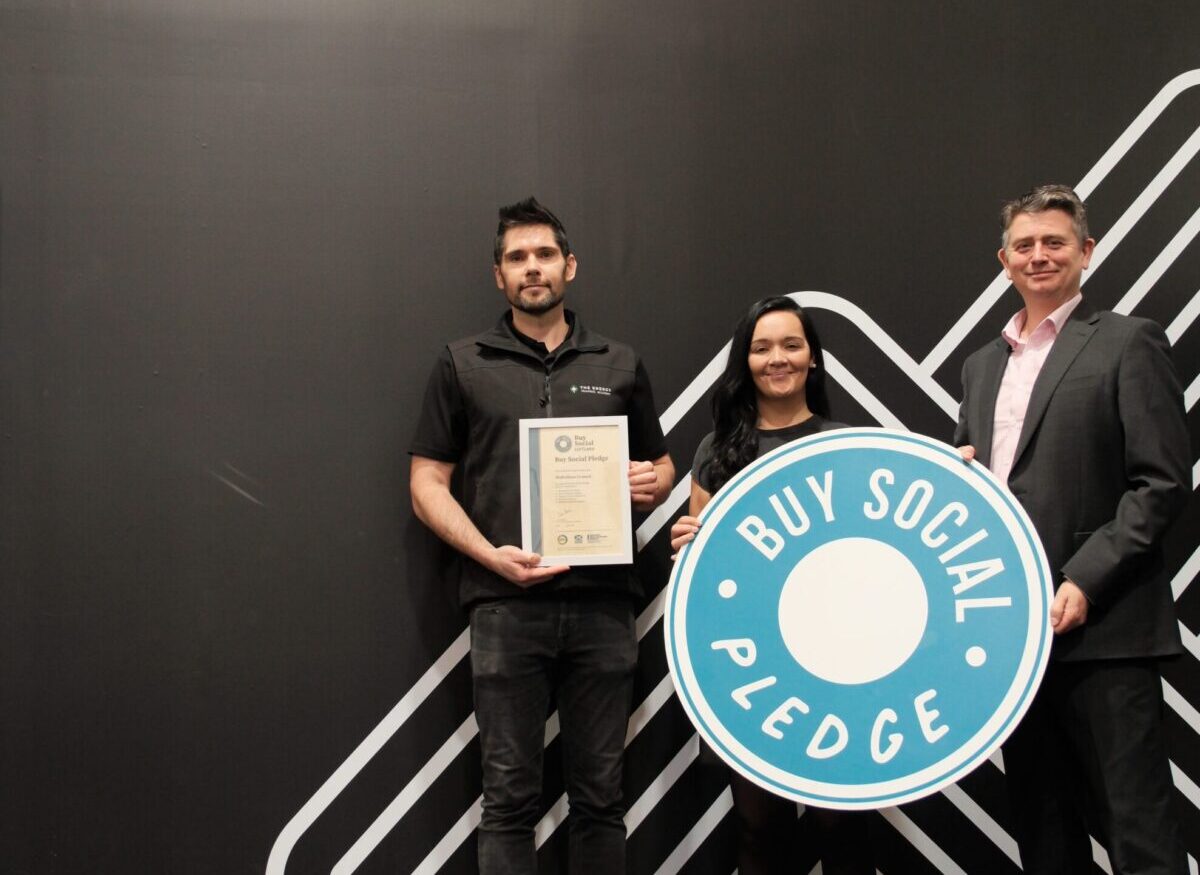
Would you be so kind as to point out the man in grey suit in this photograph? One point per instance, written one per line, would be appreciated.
(1080, 412)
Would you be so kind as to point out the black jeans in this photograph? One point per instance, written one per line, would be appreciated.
(580, 652)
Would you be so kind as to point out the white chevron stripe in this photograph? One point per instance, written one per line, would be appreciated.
(658, 788)
(1137, 127)
(923, 843)
(662, 514)
(412, 791)
(1100, 856)
(1190, 643)
(1181, 706)
(1159, 266)
(651, 614)
(975, 813)
(658, 697)
(967, 321)
(695, 390)
(362, 754)
(860, 393)
(1185, 785)
(887, 345)
(1184, 319)
(1143, 202)
(442, 851)
(555, 815)
(1186, 574)
(695, 837)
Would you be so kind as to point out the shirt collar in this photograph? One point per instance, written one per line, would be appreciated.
(536, 345)
(1012, 330)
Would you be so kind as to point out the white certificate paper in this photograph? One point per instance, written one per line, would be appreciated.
(575, 490)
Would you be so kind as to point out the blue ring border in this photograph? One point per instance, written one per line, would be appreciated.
(1001, 733)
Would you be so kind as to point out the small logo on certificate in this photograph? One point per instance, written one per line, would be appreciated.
(861, 620)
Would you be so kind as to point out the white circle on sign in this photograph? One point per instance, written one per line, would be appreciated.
(853, 610)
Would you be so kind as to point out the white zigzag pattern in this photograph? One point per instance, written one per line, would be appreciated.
(922, 375)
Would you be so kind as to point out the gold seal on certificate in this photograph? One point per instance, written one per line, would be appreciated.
(575, 490)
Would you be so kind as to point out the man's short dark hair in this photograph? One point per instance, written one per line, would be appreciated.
(1040, 199)
(529, 212)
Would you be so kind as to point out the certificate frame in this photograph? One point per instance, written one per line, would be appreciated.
(587, 499)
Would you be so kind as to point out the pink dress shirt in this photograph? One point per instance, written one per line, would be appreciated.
(1024, 364)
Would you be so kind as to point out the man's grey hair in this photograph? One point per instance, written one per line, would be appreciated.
(1040, 199)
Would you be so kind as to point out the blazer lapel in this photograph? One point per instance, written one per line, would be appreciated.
(1074, 337)
(993, 373)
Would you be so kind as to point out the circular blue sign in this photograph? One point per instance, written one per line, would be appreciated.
(861, 620)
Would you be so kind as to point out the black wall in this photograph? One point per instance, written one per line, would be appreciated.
(233, 237)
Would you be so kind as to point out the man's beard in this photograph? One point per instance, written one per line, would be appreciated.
(541, 305)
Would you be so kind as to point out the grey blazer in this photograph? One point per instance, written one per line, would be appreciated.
(1103, 466)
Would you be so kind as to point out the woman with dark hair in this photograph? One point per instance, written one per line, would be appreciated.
(772, 392)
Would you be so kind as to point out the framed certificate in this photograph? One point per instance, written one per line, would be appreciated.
(575, 490)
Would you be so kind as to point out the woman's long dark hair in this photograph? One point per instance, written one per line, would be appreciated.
(735, 399)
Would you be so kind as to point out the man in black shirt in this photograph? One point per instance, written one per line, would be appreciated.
(537, 633)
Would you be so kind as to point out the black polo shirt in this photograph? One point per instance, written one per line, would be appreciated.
(479, 389)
